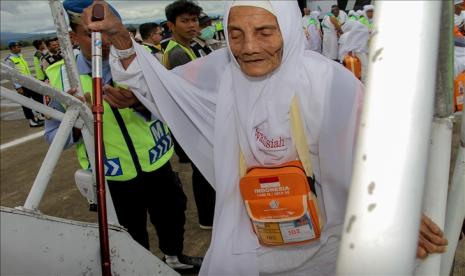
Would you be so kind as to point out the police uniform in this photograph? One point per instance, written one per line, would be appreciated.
(136, 159)
(17, 61)
(137, 168)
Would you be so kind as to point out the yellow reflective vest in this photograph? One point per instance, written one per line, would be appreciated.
(40, 75)
(171, 45)
(131, 143)
(20, 63)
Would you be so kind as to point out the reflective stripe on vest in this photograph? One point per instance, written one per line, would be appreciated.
(171, 45)
(20, 64)
(151, 140)
(40, 75)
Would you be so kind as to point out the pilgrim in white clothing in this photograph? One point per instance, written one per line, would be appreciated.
(314, 32)
(355, 39)
(331, 32)
(215, 110)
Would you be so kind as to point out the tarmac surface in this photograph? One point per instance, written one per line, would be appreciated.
(20, 163)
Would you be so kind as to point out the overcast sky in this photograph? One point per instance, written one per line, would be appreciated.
(34, 16)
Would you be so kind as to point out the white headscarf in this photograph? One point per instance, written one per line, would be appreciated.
(359, 13)
(315, 14)
(342, 17)
(367, 8)
(351, 12)
(212, 108)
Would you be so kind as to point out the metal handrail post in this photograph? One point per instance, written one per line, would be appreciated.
(437, 178)
(46, 90)
(380, 233)
(455, 214)
(51, 159)
(65, 43)
(32, 104)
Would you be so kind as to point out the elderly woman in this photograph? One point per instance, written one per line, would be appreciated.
(234, 105)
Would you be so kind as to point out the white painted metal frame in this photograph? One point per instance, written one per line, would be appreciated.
(66, 46)
(77, 115)
(384, 206)
(455, 213)
(437, 178)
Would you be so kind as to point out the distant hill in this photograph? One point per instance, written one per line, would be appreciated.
(5, 37)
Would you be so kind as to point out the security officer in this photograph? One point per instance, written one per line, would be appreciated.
(183, 22)
(40, 51)
(16, 60)
(53, 54)
(152, 34)
(137, 153)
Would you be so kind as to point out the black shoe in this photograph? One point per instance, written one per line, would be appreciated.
(195, 261)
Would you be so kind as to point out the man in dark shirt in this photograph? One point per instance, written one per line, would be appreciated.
(151, 34)
(183, 22)
(54, 53)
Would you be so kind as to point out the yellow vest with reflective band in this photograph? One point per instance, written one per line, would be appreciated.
(219, 26)
(40, 75)
(150, 141)
(21, 64)
(171, 45)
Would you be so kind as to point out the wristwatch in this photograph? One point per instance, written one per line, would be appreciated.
(122, 54)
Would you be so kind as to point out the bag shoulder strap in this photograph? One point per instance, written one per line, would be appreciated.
(300, 140)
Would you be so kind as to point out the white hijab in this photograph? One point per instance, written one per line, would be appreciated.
(212, 108)
(367, 8)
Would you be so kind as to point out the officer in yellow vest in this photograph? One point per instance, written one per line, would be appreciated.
(152, 34)
(16, 60)
(183, 22)
(219, 29)
(40, 51)
(137, 153)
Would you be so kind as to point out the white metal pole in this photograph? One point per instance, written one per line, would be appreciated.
(65, 43)
(44, 89)
(32, 104)
(51, 158)
(437, 182)
(382, 220)
(455, 214)
(437, 178)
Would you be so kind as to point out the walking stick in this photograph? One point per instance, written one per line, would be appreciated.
(97, 110)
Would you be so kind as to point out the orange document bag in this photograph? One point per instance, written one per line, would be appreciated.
(352, 62)
(281, 200)
(459, 86)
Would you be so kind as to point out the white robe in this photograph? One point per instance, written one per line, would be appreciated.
(214, 110)
(330, 47)
(459, 60)
(314, 35)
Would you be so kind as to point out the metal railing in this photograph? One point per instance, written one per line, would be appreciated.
(77, 115)
(401, 165)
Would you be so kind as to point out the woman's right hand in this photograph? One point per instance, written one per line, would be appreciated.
(111, 26)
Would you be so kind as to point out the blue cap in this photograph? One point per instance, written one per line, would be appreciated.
(74, 8)
(13, 43)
